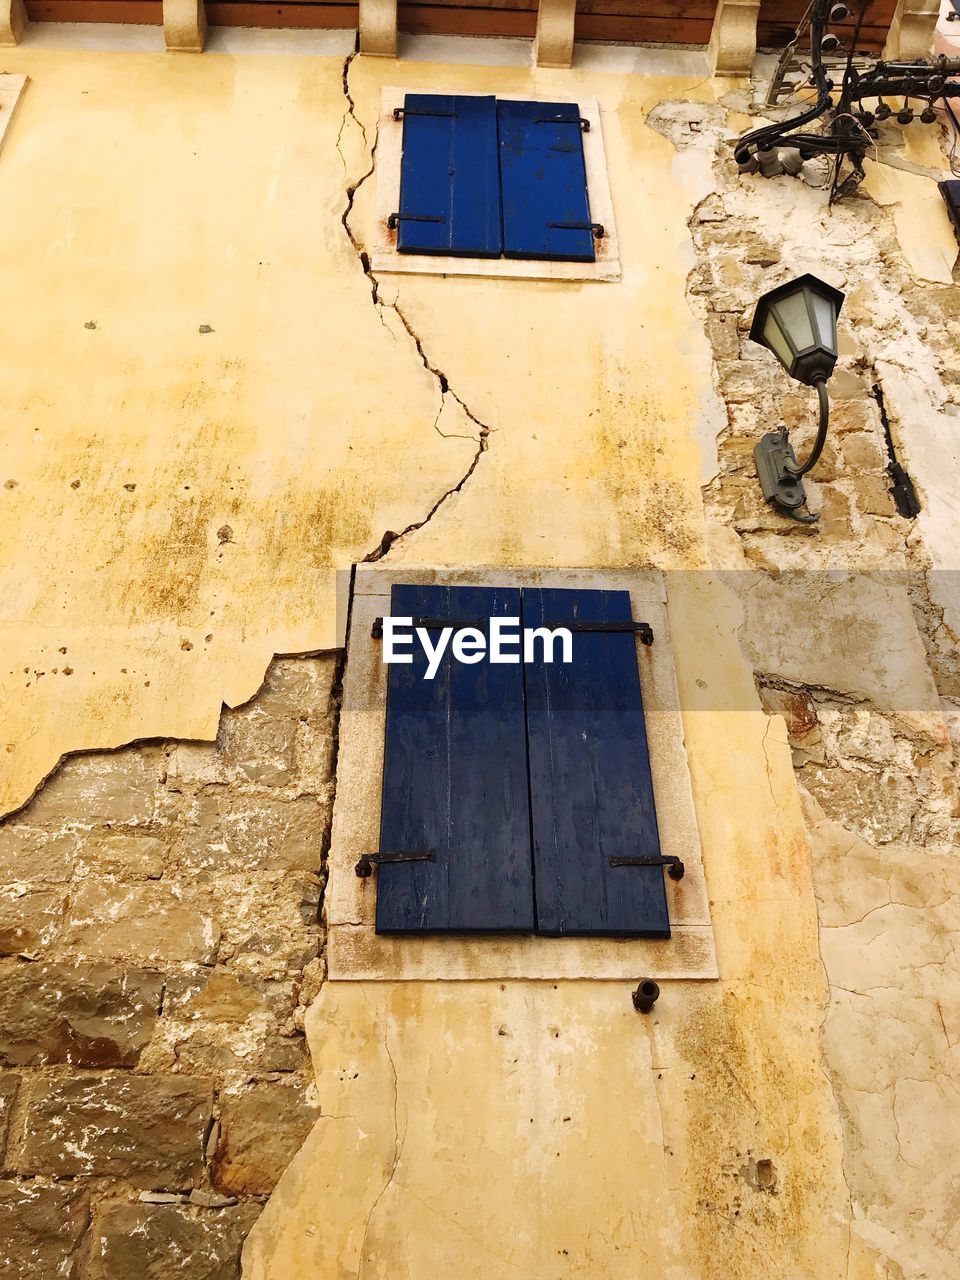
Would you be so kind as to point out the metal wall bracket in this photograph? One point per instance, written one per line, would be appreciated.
(773, 455)
(368, 861)
(675, 867)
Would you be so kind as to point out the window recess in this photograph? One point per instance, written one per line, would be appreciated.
(472, 184)
(361, 825)
(521, 793)
(481, 177)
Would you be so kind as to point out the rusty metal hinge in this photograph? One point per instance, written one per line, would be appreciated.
(368, 861)
(675, 867)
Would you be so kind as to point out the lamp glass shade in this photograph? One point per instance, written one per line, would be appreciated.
(798, 322)
(775, 339)
(825, 318)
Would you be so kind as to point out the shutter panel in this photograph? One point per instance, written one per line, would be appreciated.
(591, 792)
(455, 781)
(544, 182)
(449, 180)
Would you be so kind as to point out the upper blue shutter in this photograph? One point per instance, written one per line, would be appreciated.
(591, 791)
(449, 179)
(543, 180)
(455, 781)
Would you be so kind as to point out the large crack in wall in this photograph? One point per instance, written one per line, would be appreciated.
(443, 383)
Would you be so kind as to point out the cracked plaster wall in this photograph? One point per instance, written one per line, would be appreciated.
(762, 1123)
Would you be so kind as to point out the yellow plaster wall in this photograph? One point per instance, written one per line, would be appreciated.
(151, 196)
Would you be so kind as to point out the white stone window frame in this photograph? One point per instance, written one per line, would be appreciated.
(354, 949)
(385, 257)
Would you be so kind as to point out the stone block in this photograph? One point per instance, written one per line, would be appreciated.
(40, 1231)
(262, 918)
(89, 1016)
(141, 922)
(298, 689)
(745, 381)
(724, 337)
(225, 996)
(259, 748)
(878, 805)
(873, 495)
(30, 856)
(215, 1048)
(156, 1242)
(150, 1130)
(194, 763)
(261, 1130)
(29, 921)
(854, 415)
(8, 1092)
(314, 757)
(105, 787)
(227, 1021)
(863, 451)
(243, 833)
(129, 857)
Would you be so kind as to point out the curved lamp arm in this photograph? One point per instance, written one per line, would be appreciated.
(802, 468)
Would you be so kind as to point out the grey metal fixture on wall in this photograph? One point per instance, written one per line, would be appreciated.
(797, 321)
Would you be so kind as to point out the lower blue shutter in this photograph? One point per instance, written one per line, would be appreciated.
(543, 181)
(449, 179)
(455, 781)
(591, 791)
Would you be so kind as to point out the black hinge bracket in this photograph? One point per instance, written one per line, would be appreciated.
(400, 112)
(581, 121)
(396, 218)
(370, 860)
(675, 867)
(598, 229)
(432, 624)
(642, 630)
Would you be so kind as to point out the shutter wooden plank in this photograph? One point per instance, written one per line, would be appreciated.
(455, 780)
(543, 182)
(449, 177)
(591, 791)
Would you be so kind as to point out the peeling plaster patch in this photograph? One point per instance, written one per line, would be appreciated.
(865, 680)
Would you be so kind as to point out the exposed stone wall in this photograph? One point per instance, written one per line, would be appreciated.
(160, 940)
(848, 645)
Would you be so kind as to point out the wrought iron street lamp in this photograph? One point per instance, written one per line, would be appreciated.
(797, 322)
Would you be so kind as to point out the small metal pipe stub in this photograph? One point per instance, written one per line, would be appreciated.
(646, 995)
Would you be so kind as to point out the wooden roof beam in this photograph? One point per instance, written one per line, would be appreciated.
(733, 44)
(13, 21)
(378, 28)
(553, 45)
(184, 25)
(912, 29)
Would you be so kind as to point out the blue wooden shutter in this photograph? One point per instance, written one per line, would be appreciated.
(455, 781)
(543, 180)
(449, 180)
(591, 792)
